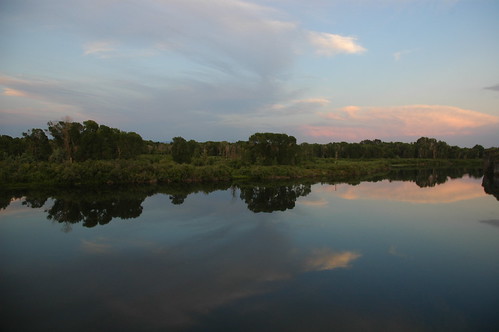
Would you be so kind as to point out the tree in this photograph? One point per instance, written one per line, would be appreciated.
(37, 144)
(129, 145)
(11, 147)
(91, 143)
(180, 150)
(66, 136)
(271, 149)
(426, 148)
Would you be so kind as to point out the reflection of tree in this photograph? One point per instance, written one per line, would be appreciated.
(5, 200)
(430, 177)
(7, 196)
(273, 198)
(93, 210)
(490, 185)
(35, 200)
(98, 206)
(177, 193)
(178, 199)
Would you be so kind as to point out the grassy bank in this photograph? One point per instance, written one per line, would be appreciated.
(155, 169)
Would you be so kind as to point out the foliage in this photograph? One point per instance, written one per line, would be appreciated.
(272, 149)
(37, 144)
(91, 141)
(88, 153)
(182, 151)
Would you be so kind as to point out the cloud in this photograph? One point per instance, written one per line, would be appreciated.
(42, 100)
(211, 62)
(398, 55)
(237, 37)
(328, 44)
(359, 122)
(493, 87)
(99, 48)
(319, 101)
(14, 93)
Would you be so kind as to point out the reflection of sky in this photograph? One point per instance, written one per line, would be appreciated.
(172, 264)
(453, 190)
(335, 263)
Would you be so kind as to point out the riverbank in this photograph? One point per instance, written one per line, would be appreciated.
(163, 170)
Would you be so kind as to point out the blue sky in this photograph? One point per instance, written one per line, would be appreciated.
(224, 69)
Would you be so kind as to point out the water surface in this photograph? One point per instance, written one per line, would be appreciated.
(384, 255)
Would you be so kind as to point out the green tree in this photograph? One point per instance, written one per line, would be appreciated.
(11, 147)
(129, 145)
(91, 143)
(271, 149)
(108, 138)
(37, 144)
(181, 152)
(66, 136)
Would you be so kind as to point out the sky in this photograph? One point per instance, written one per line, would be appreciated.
(322, 71)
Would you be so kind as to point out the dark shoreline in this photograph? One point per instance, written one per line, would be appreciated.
(22, 175)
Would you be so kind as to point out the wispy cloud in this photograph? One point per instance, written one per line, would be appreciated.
(100, 48)
(398, 55)
(356, 122)
(493, 87)
(328, 44)
(44, 100)
(318, 101)
(14, 93)
(107, 50)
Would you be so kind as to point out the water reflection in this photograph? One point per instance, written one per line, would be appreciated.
(342, 267)
(236, 264)
(386, 190)
(490, 184)
(492, 222)
(94, 207)
(269, 198)
(430, 177)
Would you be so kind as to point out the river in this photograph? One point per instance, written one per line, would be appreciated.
(408, 253)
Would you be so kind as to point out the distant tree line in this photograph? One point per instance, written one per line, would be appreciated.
(281, 149)
(72, 141)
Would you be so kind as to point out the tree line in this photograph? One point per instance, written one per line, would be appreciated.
(75, 142)
(72, 141)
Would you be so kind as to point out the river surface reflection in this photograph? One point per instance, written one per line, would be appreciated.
(383, 255)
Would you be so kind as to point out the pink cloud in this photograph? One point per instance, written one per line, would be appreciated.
(14, 93)
(356, 122)
(328, 44)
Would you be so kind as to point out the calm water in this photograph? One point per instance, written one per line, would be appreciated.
(389, 255)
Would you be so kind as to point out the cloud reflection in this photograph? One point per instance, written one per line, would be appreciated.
(325, 259)
(94, 247)
(451, 191)
(173, 285)
(492, 222)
